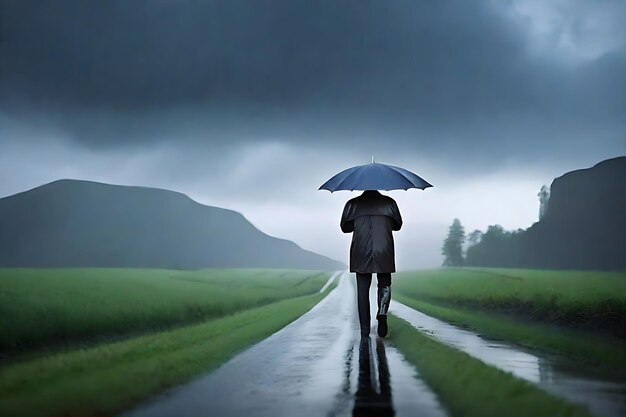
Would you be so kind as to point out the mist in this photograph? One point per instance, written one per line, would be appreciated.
(252, 107)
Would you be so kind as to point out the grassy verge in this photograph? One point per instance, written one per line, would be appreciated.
(597, 350)
(111, 377)
(586, 300)
(468, 387)
(40, 308)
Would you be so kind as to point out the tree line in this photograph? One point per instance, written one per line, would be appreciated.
(496, 247)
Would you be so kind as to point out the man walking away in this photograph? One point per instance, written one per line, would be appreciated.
(372, 217)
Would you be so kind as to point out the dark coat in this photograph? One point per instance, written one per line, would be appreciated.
(372, 217)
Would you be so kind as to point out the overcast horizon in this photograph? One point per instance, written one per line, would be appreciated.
(253, 106)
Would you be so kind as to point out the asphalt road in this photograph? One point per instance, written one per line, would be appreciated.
(316, 366)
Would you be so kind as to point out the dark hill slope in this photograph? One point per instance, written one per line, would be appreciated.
(70, 223)
(584, 226)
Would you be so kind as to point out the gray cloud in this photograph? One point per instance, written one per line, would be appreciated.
(448, 70)
(253, 104)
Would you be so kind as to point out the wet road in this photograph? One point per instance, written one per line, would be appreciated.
(562, 377)
(316, 366)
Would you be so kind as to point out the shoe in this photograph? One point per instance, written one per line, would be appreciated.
(382, 325)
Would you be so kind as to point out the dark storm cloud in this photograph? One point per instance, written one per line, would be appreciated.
(430, 73)
(165, 53)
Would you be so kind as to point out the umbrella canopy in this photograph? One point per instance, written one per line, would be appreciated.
(375, 176)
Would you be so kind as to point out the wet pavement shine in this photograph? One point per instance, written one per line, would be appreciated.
(565, 378)
(316, 366)
(320, 366)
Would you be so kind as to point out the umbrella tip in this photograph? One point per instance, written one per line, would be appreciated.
(372, 158)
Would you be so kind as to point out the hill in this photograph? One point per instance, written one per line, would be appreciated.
(72, 223)
(584, 226)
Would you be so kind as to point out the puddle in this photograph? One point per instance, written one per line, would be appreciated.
(559, 376)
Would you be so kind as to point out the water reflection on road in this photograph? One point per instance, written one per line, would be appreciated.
(373, 394)
(393, 380)
(559, 376)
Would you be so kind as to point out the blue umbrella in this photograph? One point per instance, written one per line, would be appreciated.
(375, 176)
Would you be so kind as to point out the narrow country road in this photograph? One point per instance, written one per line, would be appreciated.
(316, 366)
(319, 366)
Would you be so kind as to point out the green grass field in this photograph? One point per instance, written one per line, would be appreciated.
(110, 377)
(65, 307)
(218, 313)
(577, 314)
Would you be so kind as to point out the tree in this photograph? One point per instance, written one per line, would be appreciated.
(544, 197)
(452, 248)
(497, 248)
(475, 237)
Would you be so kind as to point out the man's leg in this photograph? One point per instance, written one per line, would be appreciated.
(384, 299)
(363, 282)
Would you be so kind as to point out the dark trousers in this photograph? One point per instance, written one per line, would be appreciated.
(363, 282)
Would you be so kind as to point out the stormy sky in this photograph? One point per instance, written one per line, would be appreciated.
(251, 105)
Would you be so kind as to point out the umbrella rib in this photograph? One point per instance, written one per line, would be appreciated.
(334, 176)
(400, 172)
(347, 176)
(403, 176)
(408, 179)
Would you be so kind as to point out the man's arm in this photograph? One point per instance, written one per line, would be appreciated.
(347, 226)
(396, 219)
